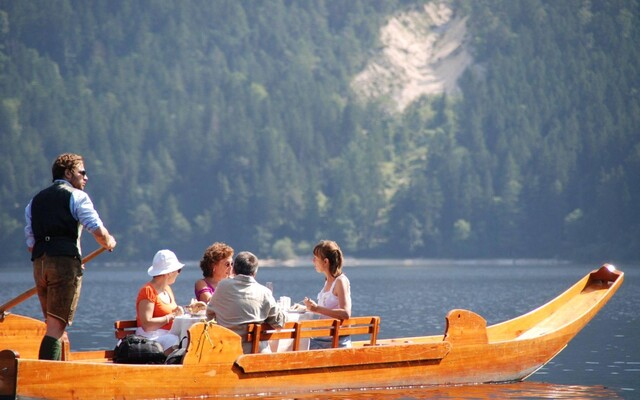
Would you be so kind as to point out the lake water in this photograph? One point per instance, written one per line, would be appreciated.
(412, 299)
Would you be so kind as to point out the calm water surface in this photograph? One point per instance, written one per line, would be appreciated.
(412, 299)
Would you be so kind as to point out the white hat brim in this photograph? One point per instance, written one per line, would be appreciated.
(156, 272)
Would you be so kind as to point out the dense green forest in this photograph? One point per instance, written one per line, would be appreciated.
(234, 121)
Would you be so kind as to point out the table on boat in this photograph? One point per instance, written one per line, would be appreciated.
(182, 323)
(282, 345)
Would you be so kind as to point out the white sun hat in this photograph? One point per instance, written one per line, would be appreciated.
(164, 261)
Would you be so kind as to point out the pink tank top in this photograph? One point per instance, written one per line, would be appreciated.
(207, 289)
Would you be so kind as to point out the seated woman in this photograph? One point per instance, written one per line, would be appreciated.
(156, 305)
(334, 300)
(216, 264)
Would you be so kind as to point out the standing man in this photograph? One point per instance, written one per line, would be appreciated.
(240, 301)
(54, 221)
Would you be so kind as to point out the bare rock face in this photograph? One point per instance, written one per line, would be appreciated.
(423, 53)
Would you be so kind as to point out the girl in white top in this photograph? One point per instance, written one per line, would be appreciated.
(334, 300)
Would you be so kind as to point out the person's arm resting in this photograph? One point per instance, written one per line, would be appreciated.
(148, 321)
(276, 317)
(343, 292)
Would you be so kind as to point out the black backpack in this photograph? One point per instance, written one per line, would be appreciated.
(177, 356)
(136, 349)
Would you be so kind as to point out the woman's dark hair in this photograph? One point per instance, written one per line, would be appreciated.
(331, 251)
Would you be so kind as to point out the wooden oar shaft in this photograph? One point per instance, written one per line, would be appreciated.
(17, 300)
(93, 255)
(22, 297)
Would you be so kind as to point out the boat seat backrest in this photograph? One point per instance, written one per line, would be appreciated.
(465, 327)
(124, 328)
(333, 328)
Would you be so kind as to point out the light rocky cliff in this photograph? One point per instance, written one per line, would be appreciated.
(423, 53)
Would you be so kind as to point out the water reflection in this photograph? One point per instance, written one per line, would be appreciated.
(520, 390)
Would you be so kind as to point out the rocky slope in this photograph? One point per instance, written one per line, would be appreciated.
(422, 53)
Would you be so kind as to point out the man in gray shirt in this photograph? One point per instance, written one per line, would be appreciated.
(241, 300)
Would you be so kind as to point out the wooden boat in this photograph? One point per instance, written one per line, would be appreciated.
(214, 365)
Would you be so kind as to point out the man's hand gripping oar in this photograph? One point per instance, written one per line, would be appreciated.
(22, 297)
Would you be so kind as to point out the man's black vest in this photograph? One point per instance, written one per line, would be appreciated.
(54, 228)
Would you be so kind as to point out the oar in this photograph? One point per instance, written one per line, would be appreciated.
(22, 297)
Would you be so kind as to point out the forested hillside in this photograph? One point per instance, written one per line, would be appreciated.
(236, 121)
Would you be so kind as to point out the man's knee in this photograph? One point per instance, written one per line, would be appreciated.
(56, 328)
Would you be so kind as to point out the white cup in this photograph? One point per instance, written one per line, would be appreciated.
(285, 302)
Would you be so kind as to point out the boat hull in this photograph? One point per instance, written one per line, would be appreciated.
(42, 379)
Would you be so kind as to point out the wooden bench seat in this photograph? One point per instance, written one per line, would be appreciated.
(124, 328)
(296, 331)
(333, 328)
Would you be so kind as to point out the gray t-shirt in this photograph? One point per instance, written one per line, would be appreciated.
(240, 301)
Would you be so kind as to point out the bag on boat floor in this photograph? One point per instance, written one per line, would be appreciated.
(177, 355)
(136, 349)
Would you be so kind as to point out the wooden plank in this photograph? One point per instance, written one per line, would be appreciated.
(210, 343)
(342, 357)
(22, 334)
(92, 355)
(325, 327)
(125, 327)
(268, 332)
(8, 373)
(362, 326)
(465, 327)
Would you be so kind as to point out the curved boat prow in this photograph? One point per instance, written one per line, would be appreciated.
(553, 325)
(607, 273)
